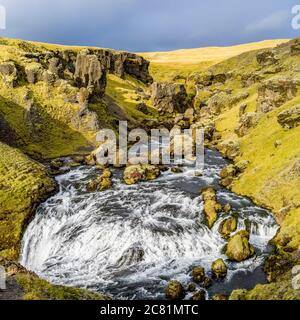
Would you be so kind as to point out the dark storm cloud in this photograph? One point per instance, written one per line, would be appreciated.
(140, 25)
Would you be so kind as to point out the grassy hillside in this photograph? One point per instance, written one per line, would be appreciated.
(179, 64)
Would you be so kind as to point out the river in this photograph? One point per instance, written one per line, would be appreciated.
(129, 241)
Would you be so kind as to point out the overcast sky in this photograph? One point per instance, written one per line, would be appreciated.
(149, 25)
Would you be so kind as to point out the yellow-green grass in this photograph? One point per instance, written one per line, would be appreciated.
(123, 92)
(179, 64)
(38, 289)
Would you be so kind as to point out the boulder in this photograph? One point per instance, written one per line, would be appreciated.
(219, 269)
(228, 226)
(289, 118)
(211, 206)
(219, 297)
(101, 183)
(169, 98)
(227, 207)
(174, 290)
(228, 174)
(198, 274)
(230, 148)
(199, 295)
(141, 172)
(238, 247)
(207, 282)
(176, 170)
(191, 287)
(247, 121)
(274, 93)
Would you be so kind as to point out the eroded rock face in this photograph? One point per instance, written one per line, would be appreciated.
(90, 74)
(238, 247)
(169, 98)
(247, 121)
(290, 118)
(137, 67)
(274, 93)
(10, 73)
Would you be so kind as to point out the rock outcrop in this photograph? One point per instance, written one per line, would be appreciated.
(289, 118)
(274, 93)
(266, 58)
(247, 121)
(169, 98)
(9, 72)
(90, 74)
(230, 148)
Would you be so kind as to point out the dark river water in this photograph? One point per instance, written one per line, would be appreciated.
(129, 241)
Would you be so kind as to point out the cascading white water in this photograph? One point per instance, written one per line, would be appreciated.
(130, 240)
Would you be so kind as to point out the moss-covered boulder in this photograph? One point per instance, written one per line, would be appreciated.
(238, 247)
(198, 274)
(101, 183)
(228, 226)
(230, 148)
(199, 295)
(174, 290)
(219, 269)
(219, 297)
(191, 287)
(141, 172)
(211, 206)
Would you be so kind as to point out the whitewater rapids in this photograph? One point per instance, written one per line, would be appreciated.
(129, 241)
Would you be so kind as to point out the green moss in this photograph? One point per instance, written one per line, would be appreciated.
(23, 183)
(38, 289)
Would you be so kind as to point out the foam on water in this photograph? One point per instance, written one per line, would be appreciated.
(130, 240)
